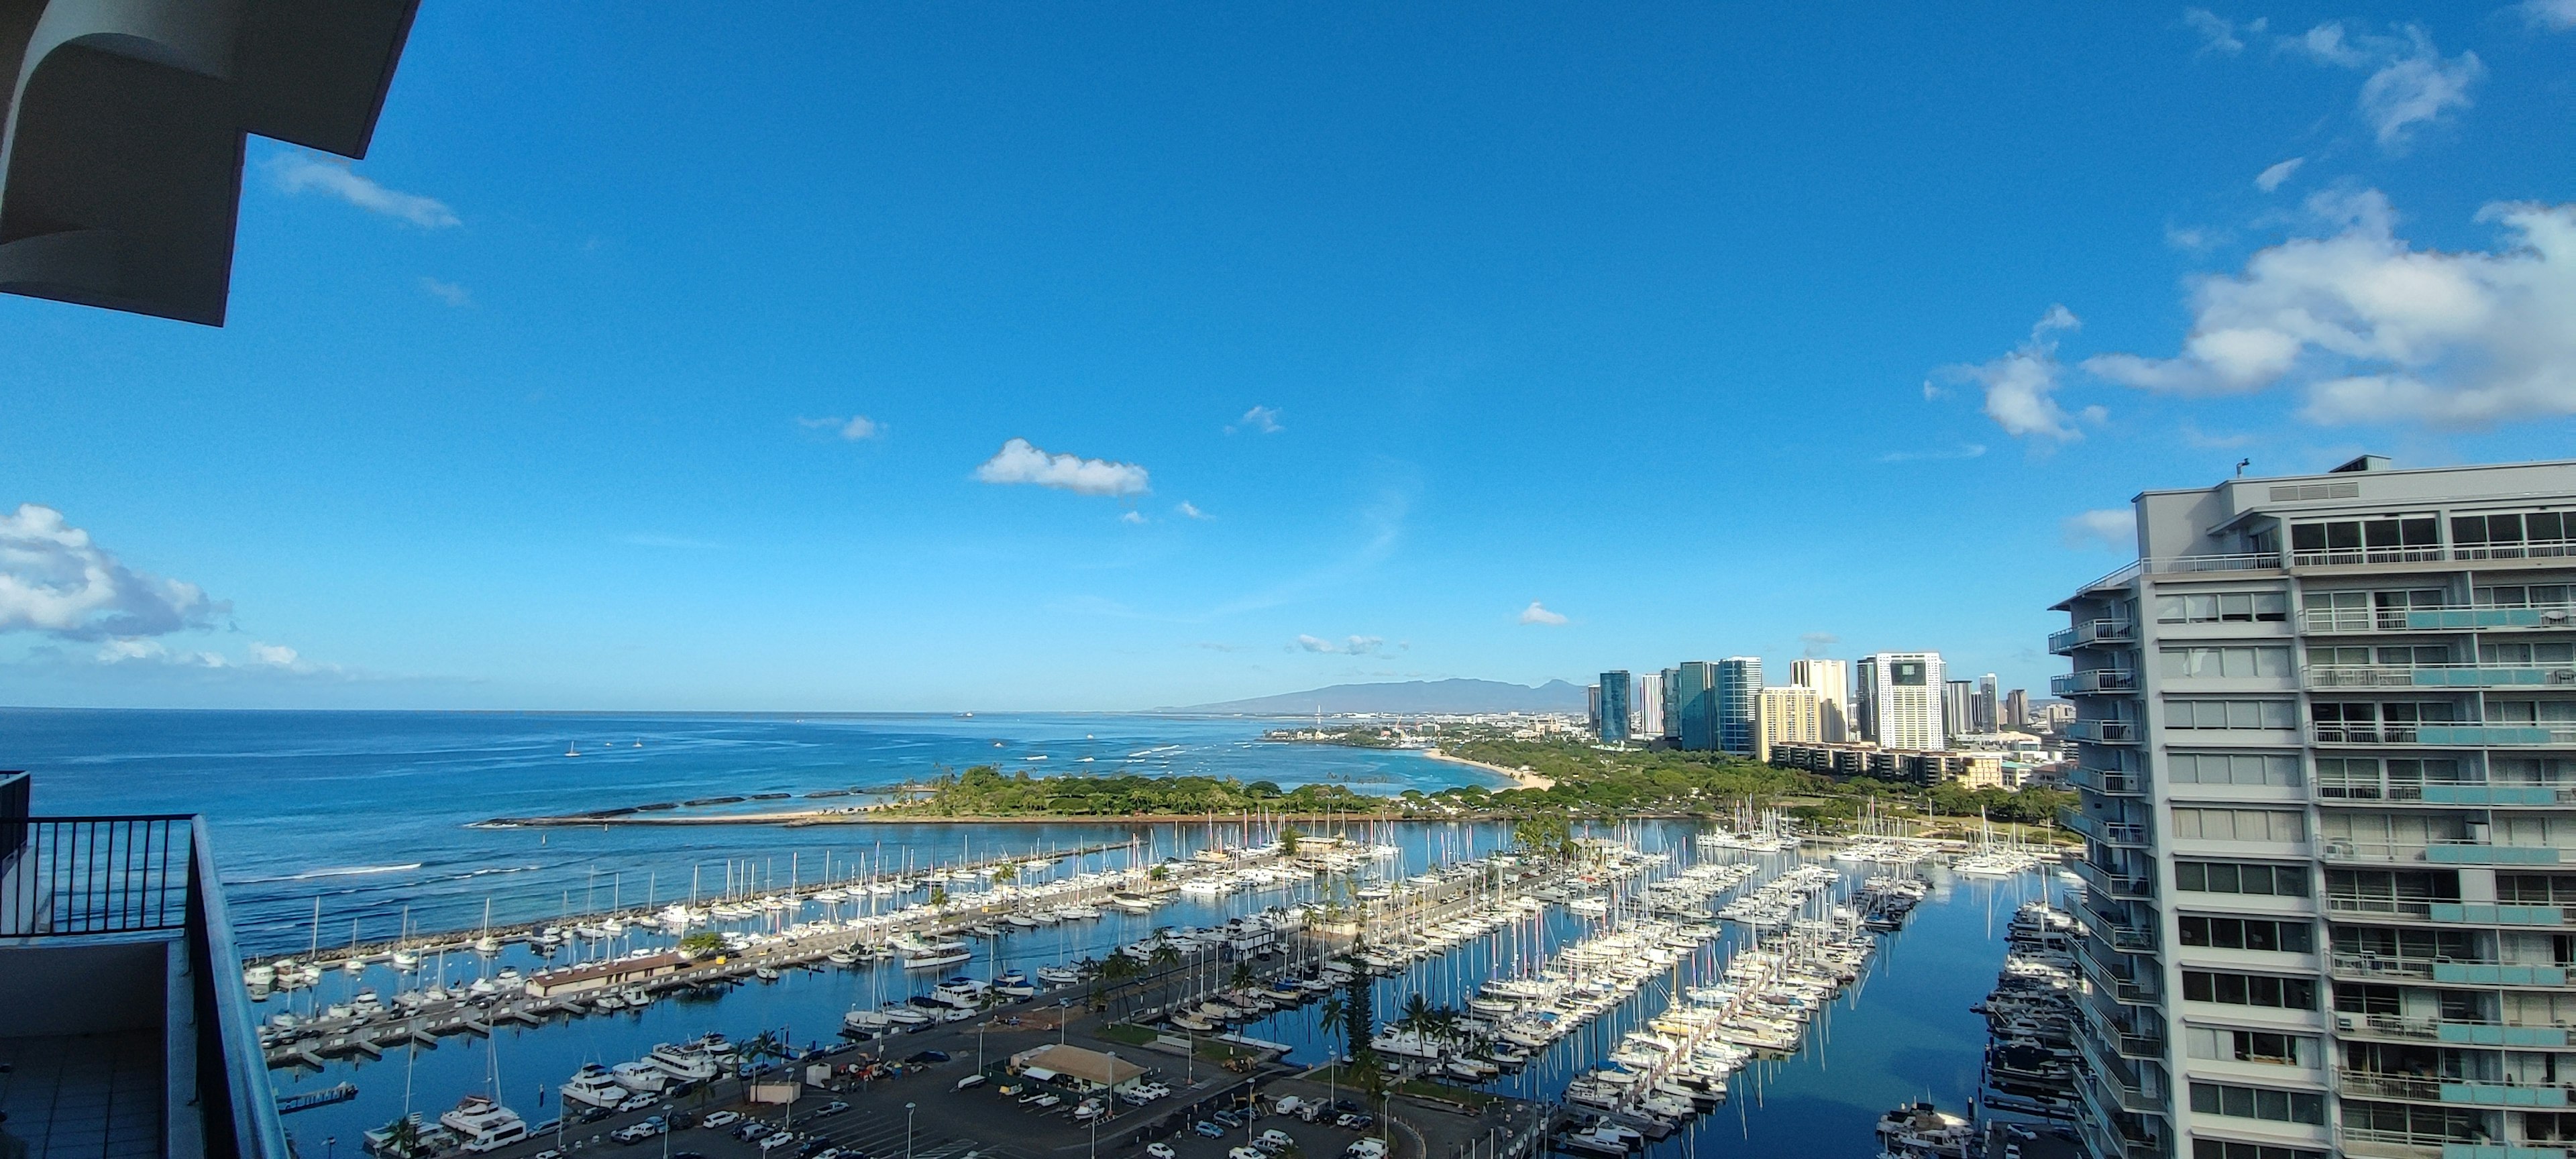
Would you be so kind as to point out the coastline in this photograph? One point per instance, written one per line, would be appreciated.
(1519, 778)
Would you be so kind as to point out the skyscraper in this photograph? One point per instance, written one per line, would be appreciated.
(1695, 699)
(2326, 746)
(1832, 681)
(1987, 703)
(1900, 699)
(1673, 705)
(2016, 708)
(1958, 708)
(1649, 707)
(1592, 707)
(1786, 714)
(1612, 728)
(1739, 687)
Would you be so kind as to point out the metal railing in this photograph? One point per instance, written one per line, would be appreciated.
(2104, 731)
(2440, 675)
(2442, 733)
(2472, 618)
(2102, 631)
(2093, 680)
(99, 875)
(2117, 784)
(2455, 852)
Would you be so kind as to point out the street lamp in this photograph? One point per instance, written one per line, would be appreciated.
(907, 1131)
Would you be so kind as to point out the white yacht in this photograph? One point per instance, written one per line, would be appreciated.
(593, 1086)
(643, 1078)
(684, 1063)
(483, 1125)
(936, 955)
(961, 992)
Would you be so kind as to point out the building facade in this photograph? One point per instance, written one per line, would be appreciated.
(1958, 708)
(1649, 708)
(2326, 765)
(1786, 714)
(1695, 705)
(1899, 700)
(1739, 691)
(2016, 708)
(1988, 705)
(1611, 724)
(1672, 706)
(1832, 681)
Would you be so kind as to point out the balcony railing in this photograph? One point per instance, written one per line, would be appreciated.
(2438, 852)
(2403, 907)
(2112, 884)
(2325, 620)
(2495, 914)
(2094, 680)
(2448, 734)
(2089, 632)
(2440, 676)
(98, 875)
(2455, 1032)
(2107, 782)
(2104, 731)
(2115, 833)
(2478, 793)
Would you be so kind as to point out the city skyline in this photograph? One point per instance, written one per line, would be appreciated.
(1203, 356)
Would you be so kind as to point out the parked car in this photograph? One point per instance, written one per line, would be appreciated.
(1161, 1151)
(828, 1153)
(752, 1130)
(834, 1107)
(721, 1119)
(1274, 1140)
(680, 1120)
(776, 1140)
(1208, 1130)
(1356, 1120)
(972, 1080)
(1246, 1153)
(924, 1057)
(1230, 1117)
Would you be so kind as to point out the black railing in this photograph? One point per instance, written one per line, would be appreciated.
(99, 875)
(16, 796)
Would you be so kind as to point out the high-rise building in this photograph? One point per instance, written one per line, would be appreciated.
(2326, 746)
(1899, 700)
(1649, 707)
(1958, 708)
(1612, 727)
(1673, 705)
(1988, 704)
(1695, 702)
(1786, 714)
(1739, 687)
(1592, 708)
(1832, 681)
(2016, 708)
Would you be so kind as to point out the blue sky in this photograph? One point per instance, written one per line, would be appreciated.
(1708, 330)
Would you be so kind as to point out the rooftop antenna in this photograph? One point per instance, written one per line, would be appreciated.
(2241, 464)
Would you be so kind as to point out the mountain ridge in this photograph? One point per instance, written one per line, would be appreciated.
(1456, 695)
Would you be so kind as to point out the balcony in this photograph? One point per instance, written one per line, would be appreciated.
(2454, 1033)
(2441, 734)
(2440, 676)
(2113, 833)
(2122, 987)
(2095, 681)
(2361, 1143)
(2113, 784)
(2490, 914)
(2104, 731)
(2452, 1091)
(2438, 853)
(2377, 967)
(2088, 633)
(2334, 620)
(114, 946)
(2111, 884)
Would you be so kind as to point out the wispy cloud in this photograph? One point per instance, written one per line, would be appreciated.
(2115, 528)
(1961, 451)
(2217, 33)
(2021, 386)
(2411, 83)
(1537, 613)
(2378, 331)
(55, 580)
(2553, 15)
(1131, 517)
(853, 428)
(2273, 175)
(2193, 435)
(1348, 646)
(448, 292)
(1817, 643)
(1018, 462)
(1260, 419)
(1190, 511)
(299, 172)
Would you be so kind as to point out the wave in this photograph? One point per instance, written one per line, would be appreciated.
(310, 874)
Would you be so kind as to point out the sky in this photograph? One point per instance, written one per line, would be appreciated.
(985, 357)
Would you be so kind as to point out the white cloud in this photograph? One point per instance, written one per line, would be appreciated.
(2553, 15)
(2271, 178)
(2217, 33)
(1264, 419)
(53, 579)
(301, 172)
(448, 292)
(144, 651)
(1537, 613)
(273, 655)
(1818, 643)
(2411, 83)
(853, 428)
(1132, 517)
(2112, 527)
(1018, 462)
(2021, 386)
(1350, 646)
(2193, 238)
(2379, 331)
(1191, 510)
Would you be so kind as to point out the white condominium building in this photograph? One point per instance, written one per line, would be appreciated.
(1900, 700)
(1832, 681)
(1786, 714)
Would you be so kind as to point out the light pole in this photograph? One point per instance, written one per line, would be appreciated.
(907, 1131)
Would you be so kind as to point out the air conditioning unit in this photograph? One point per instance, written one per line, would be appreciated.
(2562, 675)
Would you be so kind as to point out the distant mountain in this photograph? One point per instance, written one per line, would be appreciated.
(1412, 696)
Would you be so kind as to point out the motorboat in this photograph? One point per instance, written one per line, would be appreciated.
(594, 1086)
(962, 992)
(937, 955)
(483, 1125)
(643, 1078)
(1059, 975)
(683, 1063)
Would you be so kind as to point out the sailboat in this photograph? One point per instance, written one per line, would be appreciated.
(573, 750)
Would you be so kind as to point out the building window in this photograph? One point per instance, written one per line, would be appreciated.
(2224, 608)
(2231, 714)
(2525, 535)
(2224, 663)
(2523, 596)
(2406, 942)
(2369, 722)
(2274, 825)
(2231, 989)
(2398, 656)
(2395, 539)
(2432, 1123)
(2557, 889)
(2249, 934)
(2370, 779)
(2241, 877)
(2278, 770)
(2258, 1103)
(2251, 1046)
(2231, 1149)
(2384, 891)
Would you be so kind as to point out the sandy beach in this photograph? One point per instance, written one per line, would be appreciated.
(1520, 778)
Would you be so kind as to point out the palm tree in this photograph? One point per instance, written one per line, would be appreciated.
(1164, 958)
(402, 1137)
(1242, 975)
(1007, 874)
(1331, 1011)
(1417, 1016)
(767, 1044)
(1115, 970)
